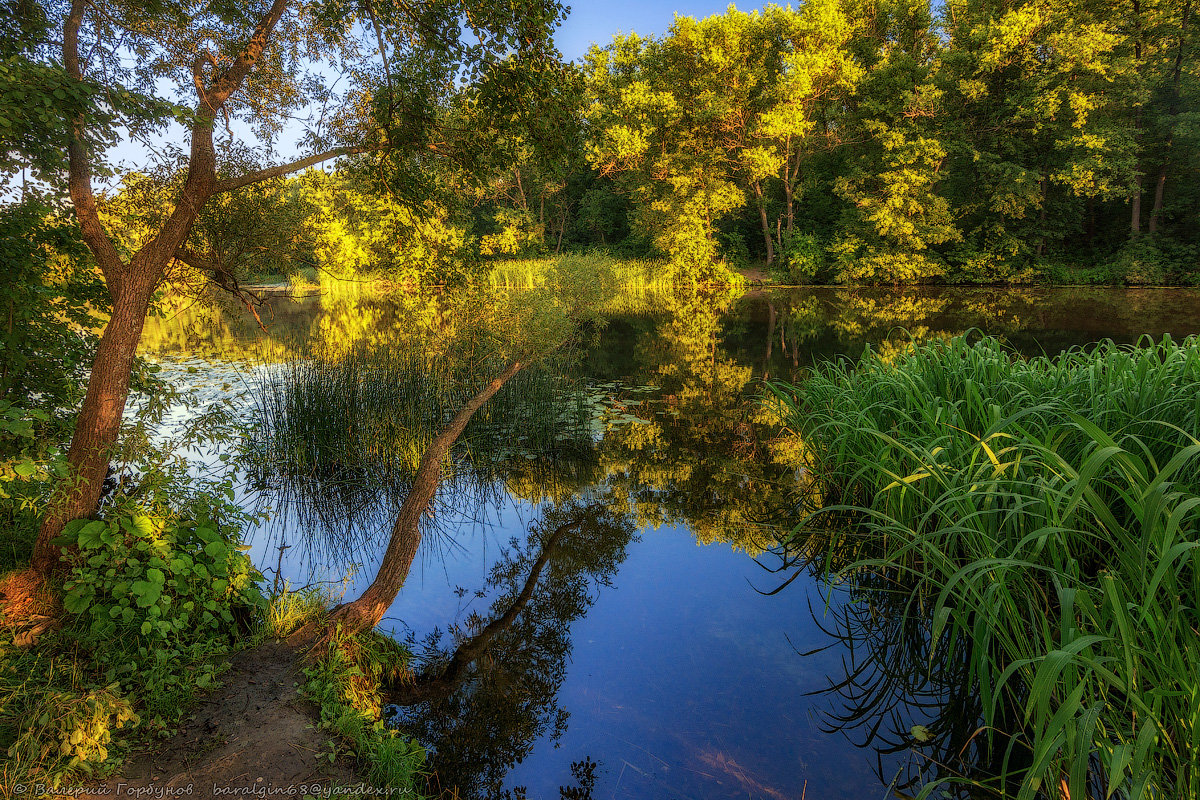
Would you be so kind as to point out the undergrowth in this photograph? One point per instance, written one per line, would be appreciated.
(345, 685)
(152, 606)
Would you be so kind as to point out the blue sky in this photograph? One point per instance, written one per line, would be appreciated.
(596, 20)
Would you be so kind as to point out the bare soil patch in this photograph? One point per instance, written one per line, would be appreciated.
(256, 736)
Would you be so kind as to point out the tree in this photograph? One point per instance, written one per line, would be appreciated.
(253, 65)
(483, 703)
(720, 111)
(503, 336)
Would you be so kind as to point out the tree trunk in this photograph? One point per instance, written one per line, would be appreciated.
(368, 610)
(433, 686)
(130, 284)
(1172, 112)
(99, 422)
(1045, 185)
(1160, 184)
(766, 225)
(1135, 215)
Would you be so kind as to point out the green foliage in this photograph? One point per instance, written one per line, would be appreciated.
(1036, 521)
(48, 310)
(170, 592)
(289, 609)
(357, 230)
(801, 258)
(345, 685)
(152, 606)
(70, 731)
(517, 234)
(1153, 261)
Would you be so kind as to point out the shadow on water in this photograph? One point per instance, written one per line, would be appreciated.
(337, 442)
(680, 679)
(917, 711)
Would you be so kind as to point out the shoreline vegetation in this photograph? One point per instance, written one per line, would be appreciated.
(947, 480)
(1034, 522)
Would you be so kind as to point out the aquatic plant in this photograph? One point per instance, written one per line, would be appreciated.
(340, 438)
(1040, 516)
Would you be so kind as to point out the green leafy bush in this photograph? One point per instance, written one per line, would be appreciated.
(153, 604)
(162, 590)
(71, 729)
(801, 257)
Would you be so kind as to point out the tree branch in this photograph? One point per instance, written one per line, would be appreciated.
(79, 168)
(232, 184)
(229, 82)
(222, 278)
(441, 683)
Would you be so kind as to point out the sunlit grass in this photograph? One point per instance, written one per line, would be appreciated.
(529, 273)
(1042, 516)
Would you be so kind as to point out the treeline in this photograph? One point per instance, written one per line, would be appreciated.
(879, 142)
(847, 141)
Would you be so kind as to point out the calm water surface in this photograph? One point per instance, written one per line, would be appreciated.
(652, 649)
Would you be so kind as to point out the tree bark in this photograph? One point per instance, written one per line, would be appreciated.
(1156, 209)
(368, 610)
(99, 420)
(766, 225)
(1135, 213)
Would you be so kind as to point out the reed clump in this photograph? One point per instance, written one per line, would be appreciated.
(1041, 517)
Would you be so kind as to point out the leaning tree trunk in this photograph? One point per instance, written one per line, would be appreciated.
(132, 283)
(367, 611)
(99, 421)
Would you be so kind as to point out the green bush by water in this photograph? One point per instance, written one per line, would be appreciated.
(1042, 516)
(153, 605)
(345, 684)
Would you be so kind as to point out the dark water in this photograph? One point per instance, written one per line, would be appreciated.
(649, 645)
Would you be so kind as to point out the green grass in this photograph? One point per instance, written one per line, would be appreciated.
(1041, 517)
(630, 274)
(345, 685)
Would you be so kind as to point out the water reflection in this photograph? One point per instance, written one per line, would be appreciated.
(487, 690)
(915, 707)
(680, 679)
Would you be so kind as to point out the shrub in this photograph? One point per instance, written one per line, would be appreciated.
(801, 257)
(345, 684)
(152, 605)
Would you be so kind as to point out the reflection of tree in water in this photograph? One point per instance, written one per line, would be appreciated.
(339, 440)
(481, 700)
(699, 454)
(919, 710)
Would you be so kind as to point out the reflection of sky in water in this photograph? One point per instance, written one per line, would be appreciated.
(683, 681)
(683, 684)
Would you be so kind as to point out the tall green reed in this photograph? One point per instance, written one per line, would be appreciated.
(1041, 517)
(340, 435)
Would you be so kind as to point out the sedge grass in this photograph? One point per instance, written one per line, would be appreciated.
(1043, 517)
(340, 437)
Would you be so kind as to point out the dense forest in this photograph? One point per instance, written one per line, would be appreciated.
(836, 142)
